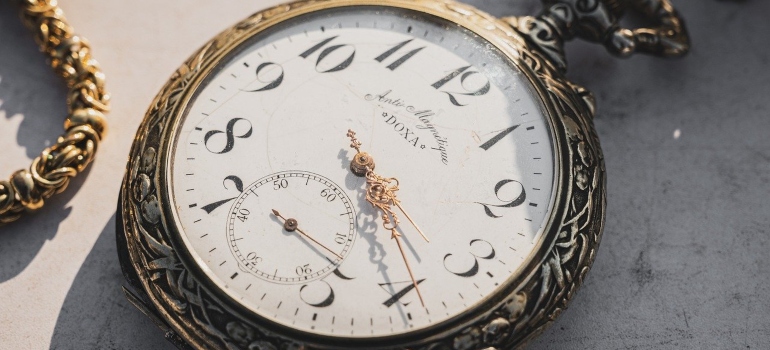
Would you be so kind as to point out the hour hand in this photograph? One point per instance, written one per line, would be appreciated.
(380, 191)
(292, 225)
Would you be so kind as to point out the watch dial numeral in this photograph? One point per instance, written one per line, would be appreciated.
(243, 215)
(317, 294)
(236, 181)
(397, 63)
(339, 274)
(229, 134)
(253, 258)
(339, 56)
(316, 47)
(328, 194)
(477, 245)
(396, 297)
(493, 141)
(267, 71)
(517, 201)
(320, 293)
(465, 74)
(280, 184)
(303, 270)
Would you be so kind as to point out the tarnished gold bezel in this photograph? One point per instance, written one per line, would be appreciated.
(180, 296)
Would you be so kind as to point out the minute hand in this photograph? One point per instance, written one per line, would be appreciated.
(398, 204)
(381, 193)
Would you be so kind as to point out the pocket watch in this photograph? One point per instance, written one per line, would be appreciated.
(362, 174)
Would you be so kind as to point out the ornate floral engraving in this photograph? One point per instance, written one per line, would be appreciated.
(204, 321)
(528, 312)
(179, 298)
(597, 21)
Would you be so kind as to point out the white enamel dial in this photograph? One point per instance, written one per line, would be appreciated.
(437, 107)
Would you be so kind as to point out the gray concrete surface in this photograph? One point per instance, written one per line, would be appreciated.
(683, 263)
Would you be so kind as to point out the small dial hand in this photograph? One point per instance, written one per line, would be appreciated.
(292, 225)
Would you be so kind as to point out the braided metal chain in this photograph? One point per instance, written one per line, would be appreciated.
(70, 56)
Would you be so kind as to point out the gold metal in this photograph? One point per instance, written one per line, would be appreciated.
(292, 225)
(381, 194)
(397, 236)
(85, 125)
(398, 204)
(380, 191)
(362, 162)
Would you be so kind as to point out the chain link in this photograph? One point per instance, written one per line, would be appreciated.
(70, 57)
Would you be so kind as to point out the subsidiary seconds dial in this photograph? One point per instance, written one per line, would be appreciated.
(291, 227)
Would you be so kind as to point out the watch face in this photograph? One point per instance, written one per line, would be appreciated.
(267, 206)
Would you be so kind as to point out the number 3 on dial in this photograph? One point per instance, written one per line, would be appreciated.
(474, 270)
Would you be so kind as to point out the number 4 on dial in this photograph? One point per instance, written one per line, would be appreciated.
(396, 297)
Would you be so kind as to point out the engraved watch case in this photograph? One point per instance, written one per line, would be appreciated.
(166, 284)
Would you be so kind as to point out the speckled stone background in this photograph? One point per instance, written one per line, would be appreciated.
(683, 263)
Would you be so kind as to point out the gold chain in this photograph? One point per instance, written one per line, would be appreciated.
(85, 125)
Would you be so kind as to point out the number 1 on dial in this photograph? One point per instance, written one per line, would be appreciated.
(487, 145)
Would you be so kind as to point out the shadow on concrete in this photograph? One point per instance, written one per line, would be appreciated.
(20, 241)
(29, 90)
(96, 314)
(28, 87)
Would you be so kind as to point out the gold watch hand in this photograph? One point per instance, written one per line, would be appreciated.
(292, 225)
(398, 204)
(380, 192)
(397, 237)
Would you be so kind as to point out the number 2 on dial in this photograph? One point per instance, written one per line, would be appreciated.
(519, 200)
